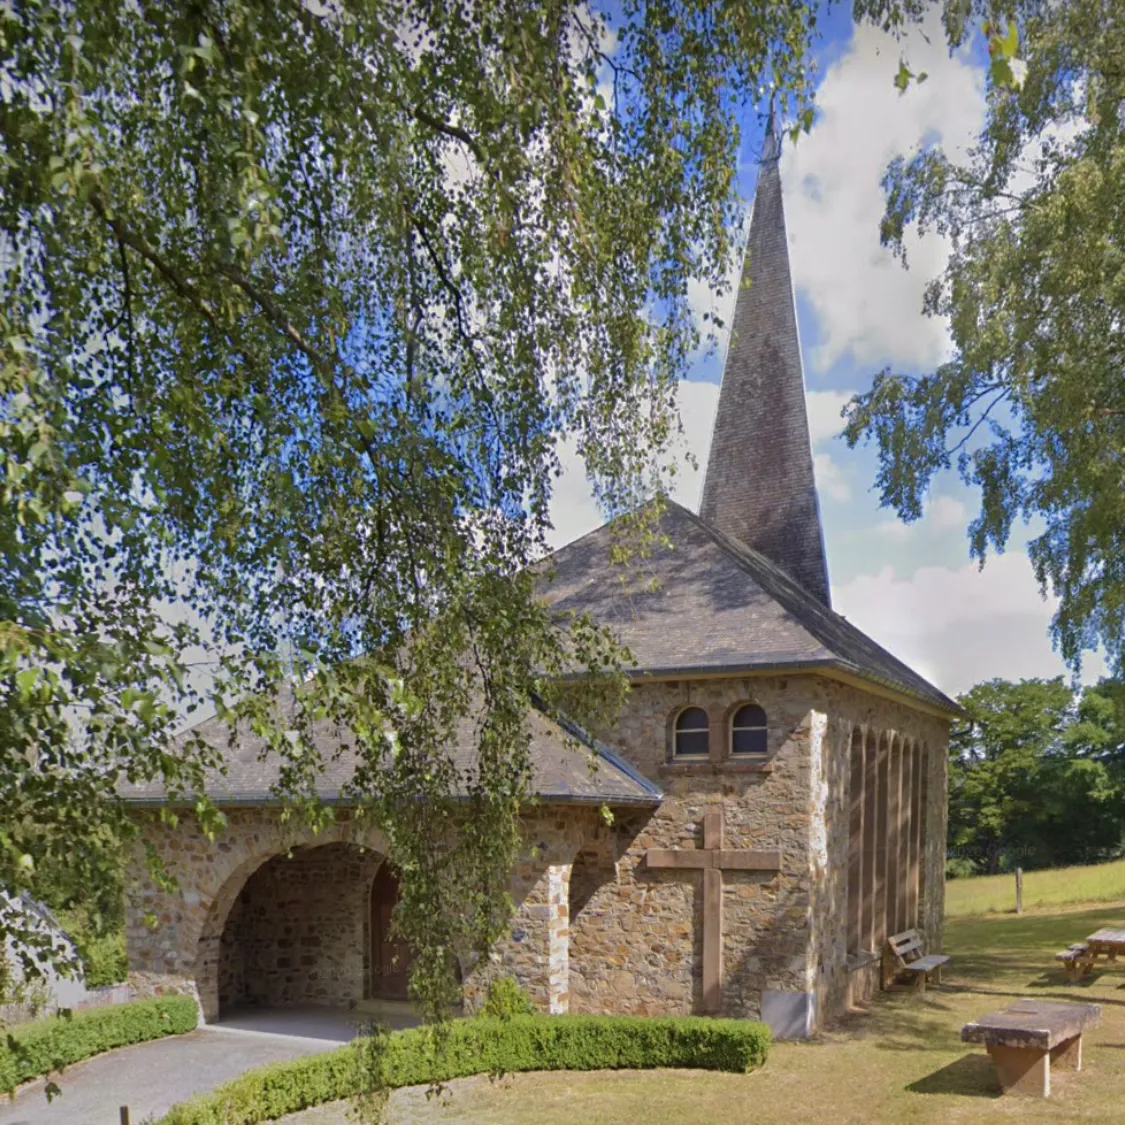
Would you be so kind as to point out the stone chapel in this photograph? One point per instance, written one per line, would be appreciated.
(778, 780)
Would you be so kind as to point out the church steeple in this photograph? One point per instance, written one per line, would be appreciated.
(760, 487)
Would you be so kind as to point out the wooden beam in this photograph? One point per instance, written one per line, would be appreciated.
(882, 787)
(737, 860)
(870, 773)
(712, 859)
(712, 940)
(910, 861)
(713, 830)
(678, 858)
(921, 766)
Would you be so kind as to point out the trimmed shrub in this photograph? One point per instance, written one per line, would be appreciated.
(45, 1046)
(483, 1045)
(506, 999)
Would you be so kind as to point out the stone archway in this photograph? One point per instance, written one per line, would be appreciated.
(296, 932)
(174, 932)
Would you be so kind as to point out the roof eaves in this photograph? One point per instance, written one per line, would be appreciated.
(938, 702)
(648, 799)
(601, 749)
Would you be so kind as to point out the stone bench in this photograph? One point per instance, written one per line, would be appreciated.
(1076, 960)
(1026, 1038)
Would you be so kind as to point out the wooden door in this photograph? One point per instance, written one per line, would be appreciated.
(390, 960)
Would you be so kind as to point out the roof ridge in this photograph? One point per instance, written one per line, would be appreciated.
(823, 614)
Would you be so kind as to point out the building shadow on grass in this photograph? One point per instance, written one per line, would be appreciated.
(906, 1022)
(1071, 990)
(971, 1076)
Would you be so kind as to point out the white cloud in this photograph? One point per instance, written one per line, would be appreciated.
(824, 414)
(574, 512)
(941, 513)
(960, 626)
(830, 479)
(867, 306)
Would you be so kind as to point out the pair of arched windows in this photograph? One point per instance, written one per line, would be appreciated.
(748, 733)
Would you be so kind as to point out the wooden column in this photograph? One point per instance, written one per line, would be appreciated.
(882, 786)
(910, 856)
(855, 844)
(894, 835)
(870, 771)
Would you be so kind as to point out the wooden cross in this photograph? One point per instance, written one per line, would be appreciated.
(713, 859)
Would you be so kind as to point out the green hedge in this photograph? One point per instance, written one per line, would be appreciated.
(481, 1045)
(33, 1049)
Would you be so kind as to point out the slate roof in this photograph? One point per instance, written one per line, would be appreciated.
(711, 604)
(589, 773)
(760, 488)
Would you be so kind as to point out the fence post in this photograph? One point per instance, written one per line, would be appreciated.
(124, 1115)
(1019, 898)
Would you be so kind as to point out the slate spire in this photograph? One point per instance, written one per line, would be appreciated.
(760, 487)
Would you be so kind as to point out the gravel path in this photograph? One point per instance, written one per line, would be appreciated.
(151, 1077)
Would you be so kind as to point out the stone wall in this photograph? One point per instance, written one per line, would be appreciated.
(174, 937)
(645, 927)
(850, 712)
(183, 949)
(299, 932)
(634, 942)
(637, 938)
(536, 948)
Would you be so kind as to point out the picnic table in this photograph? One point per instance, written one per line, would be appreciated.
(1025, 1038)
(1108, 942)
(1080, 958)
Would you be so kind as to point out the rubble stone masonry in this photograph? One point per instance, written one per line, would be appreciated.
(595, 929)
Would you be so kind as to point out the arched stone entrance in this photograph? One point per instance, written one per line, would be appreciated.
(390, 959)
(295, 932)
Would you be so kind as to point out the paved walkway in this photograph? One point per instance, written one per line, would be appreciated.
(151, 1077)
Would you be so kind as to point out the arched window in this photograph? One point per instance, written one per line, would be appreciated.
(748, 730)
(691, 733)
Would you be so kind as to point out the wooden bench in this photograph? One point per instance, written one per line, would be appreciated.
(1076, 960)
(1026, 1038)
(904, 954)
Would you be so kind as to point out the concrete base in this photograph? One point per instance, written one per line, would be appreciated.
(1068, 1055)
(1022, 1070)
(338, 1025)
(790, 1015)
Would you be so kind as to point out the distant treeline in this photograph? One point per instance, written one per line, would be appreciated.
(1037, 776)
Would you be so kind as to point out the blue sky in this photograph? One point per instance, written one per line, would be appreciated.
(914, 589)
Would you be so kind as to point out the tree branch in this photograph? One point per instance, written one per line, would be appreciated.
(127, 315)
(447, 282)
(275, 313)
(136, 242)
(450, 130)
(1004, 392)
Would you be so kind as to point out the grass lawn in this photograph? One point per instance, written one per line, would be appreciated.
(900, 1063)
(988, 894)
